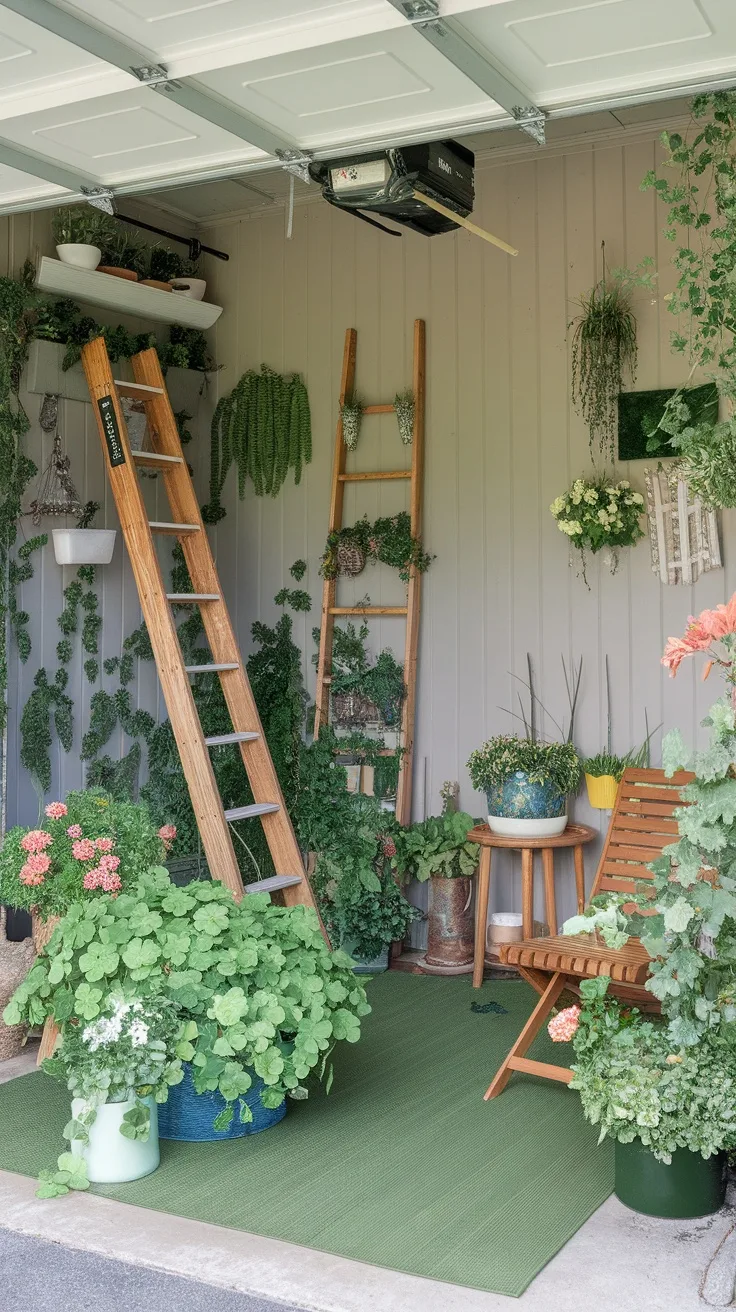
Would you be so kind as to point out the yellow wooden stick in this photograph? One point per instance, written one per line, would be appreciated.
(464, 223)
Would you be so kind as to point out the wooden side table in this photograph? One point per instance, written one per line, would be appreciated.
(574, 836)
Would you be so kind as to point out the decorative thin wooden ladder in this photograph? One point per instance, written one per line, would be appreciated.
(410, 611)
(122, 465)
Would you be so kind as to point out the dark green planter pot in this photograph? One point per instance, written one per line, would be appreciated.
(689, 1186)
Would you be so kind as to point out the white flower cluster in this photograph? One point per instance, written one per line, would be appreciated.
(609, 505)
(108, 1029)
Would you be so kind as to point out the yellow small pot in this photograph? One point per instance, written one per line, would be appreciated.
(602, 790)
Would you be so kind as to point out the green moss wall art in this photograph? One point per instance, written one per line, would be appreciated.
(639, 414)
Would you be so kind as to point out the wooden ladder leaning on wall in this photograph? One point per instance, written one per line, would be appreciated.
(410, 611)
(122, 465)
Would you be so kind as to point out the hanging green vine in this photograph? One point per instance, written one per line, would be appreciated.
(21, 571)
(264, 428)
(603, 351)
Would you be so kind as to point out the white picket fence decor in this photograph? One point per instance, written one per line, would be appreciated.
(682, 532)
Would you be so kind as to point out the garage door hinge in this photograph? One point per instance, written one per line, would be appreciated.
(155, 75)
(296, 162)
(102, 198)
(420, 11)
(531, 120)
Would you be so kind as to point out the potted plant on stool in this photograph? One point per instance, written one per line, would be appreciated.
(526, 783)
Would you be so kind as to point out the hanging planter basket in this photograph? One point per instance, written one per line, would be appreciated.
(350, 708)
(350, 559)
(404, 407)
(84, 546)
(351, 413)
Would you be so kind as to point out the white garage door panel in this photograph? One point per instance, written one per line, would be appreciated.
(563, 48)
(131, 134)
(352, 87)
(175, 28)
(16, 187)
(31, 58)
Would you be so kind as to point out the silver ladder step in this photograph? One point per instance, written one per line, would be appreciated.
(273, 884)
(161, 526)
(181, 598)
(250, 812)
(137, 391)
(155, 460)
(222, 739)
(211, 669)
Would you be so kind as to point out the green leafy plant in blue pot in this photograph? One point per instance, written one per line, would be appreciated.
(527, 783)
(262, 996)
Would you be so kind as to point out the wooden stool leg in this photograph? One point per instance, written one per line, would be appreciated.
(548, 863)
(527, 1036)
(527, 892)
(48, 1040)
(481, 915)
(580, 879)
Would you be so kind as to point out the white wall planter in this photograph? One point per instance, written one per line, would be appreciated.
(45, 374)
(110, 1157)
(79, 254)
(84, 546)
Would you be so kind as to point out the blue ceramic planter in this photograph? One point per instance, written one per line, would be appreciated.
(189, 1115)
(520, 807)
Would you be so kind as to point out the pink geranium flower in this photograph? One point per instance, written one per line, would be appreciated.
(74, 831)
(29, 877)
(562, 1027)
(83, 849)
(108, 862)
(104, 844)
(38, 863)
(110, 881)
(167, 834)
(92, 879)
(36, 840)
(55, 810)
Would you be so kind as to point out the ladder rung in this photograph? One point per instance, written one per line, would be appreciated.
(222, 739)
(273, 884)
(137, 391)
(211, 669)
(368, 610)
(176, 530)
(249, 812)
(378, 409)
(181, 598)
(155, 460)
(374, 477)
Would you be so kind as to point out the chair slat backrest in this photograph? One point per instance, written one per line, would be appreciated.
(642, 824)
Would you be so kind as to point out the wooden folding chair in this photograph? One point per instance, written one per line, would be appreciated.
(642, 824)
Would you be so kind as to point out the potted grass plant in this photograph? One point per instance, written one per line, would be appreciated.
(78, 231)
(527, 783)
(123, 255)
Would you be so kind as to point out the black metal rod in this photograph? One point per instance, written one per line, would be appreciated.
(195, 246)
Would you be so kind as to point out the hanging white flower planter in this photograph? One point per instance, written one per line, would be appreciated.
(351, 413)
(84, 546)
(111, 1157)
(404, 407)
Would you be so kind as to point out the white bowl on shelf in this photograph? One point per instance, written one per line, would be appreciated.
(79, 254)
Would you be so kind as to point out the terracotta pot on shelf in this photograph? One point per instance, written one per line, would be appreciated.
(154, 282)
(130, 274)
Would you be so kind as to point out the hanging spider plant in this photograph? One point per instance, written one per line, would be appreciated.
(603, 349)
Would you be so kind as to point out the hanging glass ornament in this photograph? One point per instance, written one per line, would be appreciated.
(57, 494)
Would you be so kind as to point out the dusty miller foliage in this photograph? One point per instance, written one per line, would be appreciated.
(701, 222)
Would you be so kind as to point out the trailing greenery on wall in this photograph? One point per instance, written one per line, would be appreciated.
(264, 427)
(701, 223)
(603, 353)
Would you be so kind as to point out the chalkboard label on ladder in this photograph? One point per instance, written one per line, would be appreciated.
(111, 430)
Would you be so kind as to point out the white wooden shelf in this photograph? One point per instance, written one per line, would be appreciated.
(123, 295)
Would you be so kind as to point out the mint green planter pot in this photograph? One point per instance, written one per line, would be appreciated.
(689, 1186)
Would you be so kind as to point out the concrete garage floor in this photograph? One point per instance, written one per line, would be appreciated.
(617, 1262)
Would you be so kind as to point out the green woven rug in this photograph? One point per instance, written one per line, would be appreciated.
(403, 1165)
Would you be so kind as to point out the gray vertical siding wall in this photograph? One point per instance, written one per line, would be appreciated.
(502, 442)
